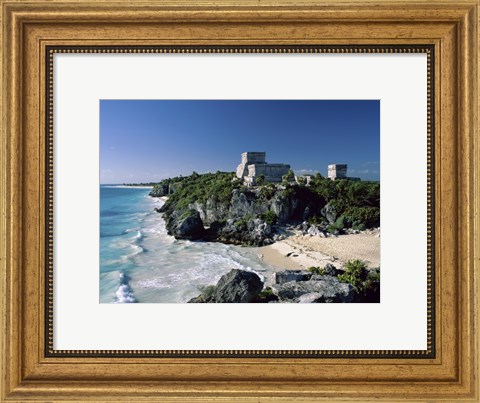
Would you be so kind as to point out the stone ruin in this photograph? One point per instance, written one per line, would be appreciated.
(254, 164)
(337, 171)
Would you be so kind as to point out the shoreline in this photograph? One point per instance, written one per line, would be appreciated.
(299, 252)
(302, 251)
(126, 187)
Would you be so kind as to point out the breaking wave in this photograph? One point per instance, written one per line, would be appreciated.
(124, 294)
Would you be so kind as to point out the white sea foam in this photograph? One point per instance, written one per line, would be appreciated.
(124, 294)
(154, 283)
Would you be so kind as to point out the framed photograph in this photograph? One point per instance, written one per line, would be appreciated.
(240, 201)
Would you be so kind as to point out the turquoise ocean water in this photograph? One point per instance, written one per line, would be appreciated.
(140, 262)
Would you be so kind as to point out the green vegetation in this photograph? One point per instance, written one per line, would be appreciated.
(260, 180)
(365, 281)
(355, 273)
(216, 187)
(355, 217)
(301, 180)
(357, 203)
(140, 184)
(351, 204)
(268, 191)
(347, 193)
(186, 214)
(269, 217)
(266, 295)
(317, 270)
(289, 177)
(243, 222)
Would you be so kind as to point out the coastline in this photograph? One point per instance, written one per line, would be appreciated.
(303, 251)
(127, 186)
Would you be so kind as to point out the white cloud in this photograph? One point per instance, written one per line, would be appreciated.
(306, 171)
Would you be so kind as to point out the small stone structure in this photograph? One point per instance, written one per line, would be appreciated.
(254, 164)
(306, 179)
(337, 171)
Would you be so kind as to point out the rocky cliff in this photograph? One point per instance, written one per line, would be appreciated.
(232, 213)
(248, 217)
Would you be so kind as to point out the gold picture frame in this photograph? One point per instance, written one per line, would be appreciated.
(32, 31)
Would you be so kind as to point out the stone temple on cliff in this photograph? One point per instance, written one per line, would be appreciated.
(339, 171)
(254, 164)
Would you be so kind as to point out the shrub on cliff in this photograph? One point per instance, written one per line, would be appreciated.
(356, 216)
(269, 217)
(217, 187)
(347, 193)
(301, 180)
(260, 180)
(356, 203)
(289, 177)
(163, 188)
(268, 191)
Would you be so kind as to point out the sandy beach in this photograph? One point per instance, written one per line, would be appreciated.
(302, 251)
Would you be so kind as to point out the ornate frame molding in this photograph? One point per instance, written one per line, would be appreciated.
(29, 29)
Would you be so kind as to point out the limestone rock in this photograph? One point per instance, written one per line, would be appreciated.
(159, 190)
(186, 225)
(285, 276)
(330, 270)
(237, 286)
(254, 232)
(330, 213)
(328, 289)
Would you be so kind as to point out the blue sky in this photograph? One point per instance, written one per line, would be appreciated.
(149, 140)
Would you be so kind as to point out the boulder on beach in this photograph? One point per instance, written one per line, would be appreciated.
(237, 286)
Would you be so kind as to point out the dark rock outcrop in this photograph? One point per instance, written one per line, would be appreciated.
(253, 232)
(325, 289)
(237, 286)
(185, 225)
(159, 190)
(298, 286)
(211, 211)
(286, 204)
(245, 216)
(285, 276)
(330, 213)
(330, 270)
